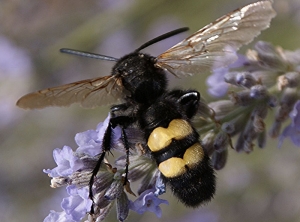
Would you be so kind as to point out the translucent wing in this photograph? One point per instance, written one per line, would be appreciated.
(89, 93)
(215, 44)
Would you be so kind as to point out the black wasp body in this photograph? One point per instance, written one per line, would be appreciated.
(165, 118)
(138, 85)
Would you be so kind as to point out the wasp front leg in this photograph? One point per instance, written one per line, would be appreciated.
(119, 118)
(106, 146)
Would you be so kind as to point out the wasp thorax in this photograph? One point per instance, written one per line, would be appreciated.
(140, 77)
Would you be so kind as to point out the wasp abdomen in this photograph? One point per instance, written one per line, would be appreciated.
(184, 164)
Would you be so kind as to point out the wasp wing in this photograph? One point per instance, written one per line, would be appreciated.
(89, 93)
(214, 45)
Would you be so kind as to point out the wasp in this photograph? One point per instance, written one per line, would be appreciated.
(138, 89)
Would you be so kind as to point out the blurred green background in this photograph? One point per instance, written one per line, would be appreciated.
(261, 186)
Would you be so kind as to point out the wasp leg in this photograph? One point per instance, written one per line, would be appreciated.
(190, 102)
(123, 121)
(106, 145)
(126, 145)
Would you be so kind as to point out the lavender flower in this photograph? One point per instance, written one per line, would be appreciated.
(66, 162)
(265, 78)
(74, 169)
(148, 201)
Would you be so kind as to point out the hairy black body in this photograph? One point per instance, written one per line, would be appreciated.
(149, 105)
(139, 81)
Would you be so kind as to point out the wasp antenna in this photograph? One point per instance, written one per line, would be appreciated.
(87, 54)
(162, 37)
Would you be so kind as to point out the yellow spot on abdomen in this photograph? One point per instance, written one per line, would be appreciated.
(162, 137)
(193, 155)
(172, 167)
(176, 166)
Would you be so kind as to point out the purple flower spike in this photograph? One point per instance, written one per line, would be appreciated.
(147, 201)
(66, 162)
(293, 130)
(78, 203)
(90, 141)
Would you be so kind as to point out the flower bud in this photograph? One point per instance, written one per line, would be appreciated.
(208, 141)
(222, 108)
(261, 139)
(219, 159)
(245, 79)
(241, 98)
(258, 124)
(275, 129)
(228, 127)
(103, 181)
(269, 56)
(286, 104)
(258, 92)
(240, 143)
(122, 207)
(248, 146)
(221, 141)
(115, 189)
